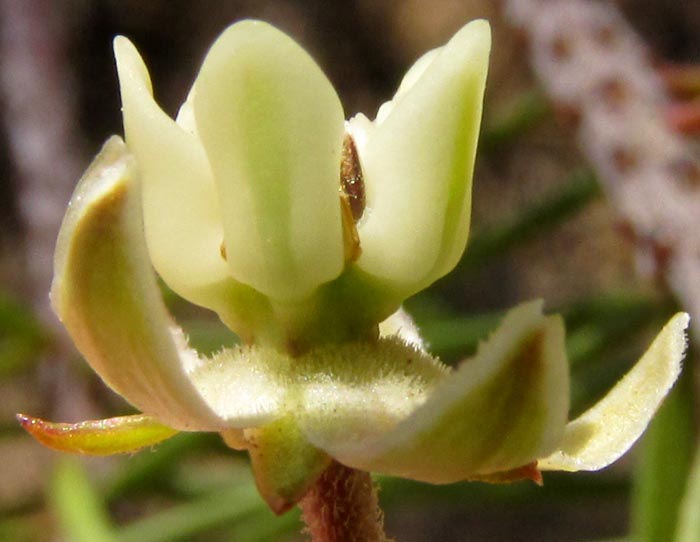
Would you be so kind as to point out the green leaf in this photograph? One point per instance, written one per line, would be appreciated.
(261, 527)
(21, 336)
(153, 470)
(20, 529)
(194, 517)
(80, 512)
(578, 189)
(689, 513)
(523, 112)
(661, 474)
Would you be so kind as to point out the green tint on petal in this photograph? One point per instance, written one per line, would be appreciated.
(272, 128)
(284, 463)
(105, 293)
(354, 392)
(120, 435)
(246, 385)
(417, 160)
(608, 429)
(498, 411)
(182, 221)
(383, 380)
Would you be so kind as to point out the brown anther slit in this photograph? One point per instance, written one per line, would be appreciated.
(351, 182)
(222, 251)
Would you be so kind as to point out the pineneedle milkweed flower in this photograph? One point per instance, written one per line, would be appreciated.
(305, 233)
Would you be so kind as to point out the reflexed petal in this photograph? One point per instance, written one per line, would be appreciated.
(105, 293)
(499, 411)
(181, 212)
(608, 429)
(120, 435)
(417, 164)
(272, 127)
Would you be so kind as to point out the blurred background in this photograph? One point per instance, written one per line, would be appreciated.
(586, 194)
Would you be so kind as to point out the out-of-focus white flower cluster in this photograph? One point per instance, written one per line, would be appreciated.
(592, 62)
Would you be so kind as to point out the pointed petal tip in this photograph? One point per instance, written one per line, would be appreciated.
(132, 72)
(24, 419)
(120, 42)
(474, 39)
(124, 434)
(123, 49)
(481, 27)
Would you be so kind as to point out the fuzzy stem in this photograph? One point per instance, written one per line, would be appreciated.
(342, 507)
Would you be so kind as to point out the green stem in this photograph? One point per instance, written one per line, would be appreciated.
(664, 467)
(188, 519)
(81, 513)
(689, 513)
(342, 507)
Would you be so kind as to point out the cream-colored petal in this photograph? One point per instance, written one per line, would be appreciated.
(608, 429)
(272, 127)
(105, 293)
(499, 411)
(413, 75)
(185, 116)
(417, 165)
(182, 221)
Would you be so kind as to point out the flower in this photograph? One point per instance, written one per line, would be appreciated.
(240, 194)
(237, 207)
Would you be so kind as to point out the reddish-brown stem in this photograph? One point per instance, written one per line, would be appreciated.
(342, 507)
